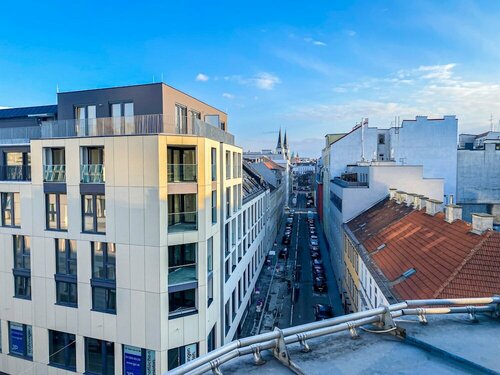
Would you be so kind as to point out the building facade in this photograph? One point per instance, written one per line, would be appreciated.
(113, 231)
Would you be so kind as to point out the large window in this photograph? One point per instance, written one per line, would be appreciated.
(56, 211)
(103, 280)
(228, 202)
(92, 165)
(11, 210)
(181, 119)
(228, 165)
(213, 163)
(62, 350)
(22, 267)
(138, 361)
(94, 213)
(214, 206)
(54, 164)
(181, 264)
(182, 215)
(182, 354)
(66, 265)
(21, 340)
(16, 166)
(183, 301)
(99, 357)
(181, 164)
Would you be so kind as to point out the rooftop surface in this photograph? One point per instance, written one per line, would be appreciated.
(445, 337)
(450, 261)
(27, 111)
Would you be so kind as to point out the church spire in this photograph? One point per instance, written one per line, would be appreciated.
(285, 143)
(279, 146)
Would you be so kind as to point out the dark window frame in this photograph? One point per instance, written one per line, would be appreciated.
(65, 277)
(57, 212)
(104, 356)
(69, 341)
(22, 273)
(104, 283)
(25, 354)
(95, 228)
(12, 210)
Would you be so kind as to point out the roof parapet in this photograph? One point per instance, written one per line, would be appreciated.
(433, 206)
(481, 223)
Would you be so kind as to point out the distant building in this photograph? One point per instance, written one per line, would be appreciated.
(478, 174)
(303, 166)
(405, 248)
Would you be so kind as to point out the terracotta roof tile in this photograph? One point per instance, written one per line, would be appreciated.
(450, 260)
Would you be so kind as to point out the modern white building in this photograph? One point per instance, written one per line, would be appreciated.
(115, 206)
(478, 174)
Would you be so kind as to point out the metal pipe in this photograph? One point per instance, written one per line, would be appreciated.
(447, 310)
(453, 301)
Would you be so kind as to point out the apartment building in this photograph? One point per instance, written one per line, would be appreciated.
(406, 248)
(115, 206)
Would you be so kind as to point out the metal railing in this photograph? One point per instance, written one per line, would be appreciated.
(92, 173)
(278, 339)
(133, 125)
(54, 173)
(347, 184)
(181, 172)
(15, 173)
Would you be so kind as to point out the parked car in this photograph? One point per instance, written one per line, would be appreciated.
(314, 248)
(315, 255)
(313, 237)
(284, 253)
(318, 262)
(285, 240)
(314, 242)
(322, 311)
(319, 284)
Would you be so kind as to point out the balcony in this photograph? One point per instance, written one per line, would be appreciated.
(181, 172)
(133, 125)
(182, 274)
(92, 174)
(54, 173)
(15, 173)
(182, 221)
(19, 135)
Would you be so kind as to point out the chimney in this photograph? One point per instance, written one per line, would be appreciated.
(410, 197)
(423, 202)
(392, 194)
(416, 201)
(433, 206)
(400, 196)
(481, 223)
(452, 212)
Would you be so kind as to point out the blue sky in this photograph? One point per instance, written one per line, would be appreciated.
(311, 67)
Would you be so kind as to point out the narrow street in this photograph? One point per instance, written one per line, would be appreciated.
(276, 283)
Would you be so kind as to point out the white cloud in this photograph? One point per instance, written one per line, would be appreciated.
(4, 107)
(306, 62)
(315, 42)
(202, 77)
(262, 80)
(351, 33)
(228, 96)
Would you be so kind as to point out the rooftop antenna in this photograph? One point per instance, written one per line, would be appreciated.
(57, 88)
(491, 122)
(153, 78)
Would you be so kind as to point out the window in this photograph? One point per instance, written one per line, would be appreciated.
(228, 202)
(181, 119)
(211, 340)
(123, 118)
(92, 166)
(210, 289)
(62, 350)
(210, 255)
(21, 340)
(17, 166)
(94, 213)
(56, 211)
(183, 301)
(22, 267)
(103, 280)
(228, 165)
(181, 264)
(213, 159)
(381, 139)
(99, 357)
(66, 265)
(11, 210)
(181, 164)
(182, 354)
(214, 207)
(182, 214)
(54, 165)
(137, 361)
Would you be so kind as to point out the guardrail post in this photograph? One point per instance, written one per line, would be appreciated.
(352, 330)
(421, 316)
(281, 353)
(472, 314)
(215, 367)
(257, 355)
(303, 343)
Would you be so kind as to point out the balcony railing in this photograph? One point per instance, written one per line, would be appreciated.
(15, 173)
(181, 172)
(92, 173)
(19, 135)
(54, 173)
(182, 221)
(133, 125)
(182, 274)
(347, 184)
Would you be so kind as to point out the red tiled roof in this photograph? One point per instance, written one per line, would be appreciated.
(271, 164)
(449, 260)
